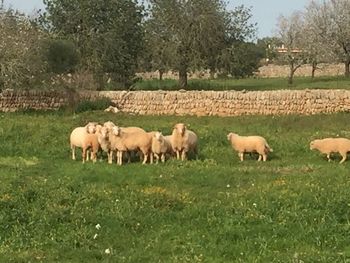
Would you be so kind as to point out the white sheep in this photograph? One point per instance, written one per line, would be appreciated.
(85, 138)
(183, 141)
(249, 144)
(109, 125)
(160, 147)
(332, 145)
(123, 141)
(103, 134)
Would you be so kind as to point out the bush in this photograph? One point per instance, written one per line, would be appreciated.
(89, 105)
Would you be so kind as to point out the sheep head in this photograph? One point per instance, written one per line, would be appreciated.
(91, 127)
(230, 135)
(109, 124)
(104, 132)
(158, 136)
(116, 130)
(313, 144)
(180, 128)
(98, 128)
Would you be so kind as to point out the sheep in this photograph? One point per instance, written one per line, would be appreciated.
(123, 141)
(103, 134)
(332, 145)
(160, 146)
(183, 141)
(85, 138)
(109, 125)
(249, 144)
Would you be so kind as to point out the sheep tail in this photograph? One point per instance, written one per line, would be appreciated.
(268, 148)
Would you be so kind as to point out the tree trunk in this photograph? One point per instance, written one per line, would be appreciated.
(314, 68)
(291, 75)
(183, 77)
(347, 68)
(212, 73)
(161, 72)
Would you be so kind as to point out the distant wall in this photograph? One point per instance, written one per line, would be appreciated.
(273, 71)
(269, 71)
(200, 103)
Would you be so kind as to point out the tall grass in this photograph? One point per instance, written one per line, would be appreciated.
(293, 208)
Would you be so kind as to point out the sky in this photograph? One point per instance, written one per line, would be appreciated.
(265, 12)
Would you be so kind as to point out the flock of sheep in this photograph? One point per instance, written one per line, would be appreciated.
(123, 141)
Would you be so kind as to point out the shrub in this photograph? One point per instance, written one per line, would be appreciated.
(92, 105)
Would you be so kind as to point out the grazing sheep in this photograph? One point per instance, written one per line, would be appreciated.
(332, 145)
(183, 141)
(249, 144)
(123, 141)
(85, 138)
(160, 146)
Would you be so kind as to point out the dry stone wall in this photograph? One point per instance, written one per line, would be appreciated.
(282, 71)
(11, 100)
(199, 103)
(267, 71)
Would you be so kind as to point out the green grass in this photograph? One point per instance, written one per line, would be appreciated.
(293, 208)
(249, 84)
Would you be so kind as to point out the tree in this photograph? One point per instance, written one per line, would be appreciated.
(242, 60)
(20, 50)
(312, 46)
(195, 33)
(290, 30)
(330, 21)
(62, 56)
(108, 34)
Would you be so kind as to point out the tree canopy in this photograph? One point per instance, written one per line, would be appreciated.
(194, 34)
(108, 33)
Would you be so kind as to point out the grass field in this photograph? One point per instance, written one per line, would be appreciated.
(293, 208)
(248, 84)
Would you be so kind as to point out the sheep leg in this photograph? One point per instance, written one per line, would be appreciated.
(110, 157)
(145, 157)
(84, 155)
(177, 154)
(157, 157)
(183, 155)
(120, 157)
(329, 157)
(264, 157)
(73, 152)
(87, 155)
(260, 156)
(94, 156)
(163, 157)
(344, 157)
(128, 153)
(241, 156)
